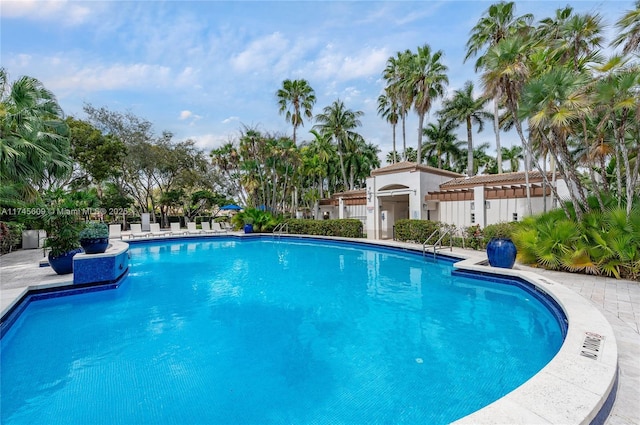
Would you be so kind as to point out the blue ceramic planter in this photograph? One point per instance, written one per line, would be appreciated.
(501, 253)
(95, 245)
(248, 228)
(63, 264)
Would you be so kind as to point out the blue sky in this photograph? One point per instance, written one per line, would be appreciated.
(202, 69)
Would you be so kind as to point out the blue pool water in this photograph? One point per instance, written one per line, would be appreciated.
(262, 331)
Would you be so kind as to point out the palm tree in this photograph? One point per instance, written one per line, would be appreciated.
(570, 38)
(394, 74)
(514, 156)
(463, 107)
(360, 159)
(339, 122)
(393, 157)
(33, 137)
(629, 31)
(411, 155)
(497, 23)
(481, 158)
(425, 80)
(441, 144)
(555, 102)
(389, 110)
(617, 97)
(295, 98)
(505, 71)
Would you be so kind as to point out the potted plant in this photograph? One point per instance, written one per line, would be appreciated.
(94, 238)
(501, 251)
(248, 224)
(60, 219)
(62, 240)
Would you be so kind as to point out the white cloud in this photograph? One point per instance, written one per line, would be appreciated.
(207, 142)
(100, 77)
(337, 65)
(185, 114)
(261, 54)
(230, 120)
(120, 76)
(61, 11)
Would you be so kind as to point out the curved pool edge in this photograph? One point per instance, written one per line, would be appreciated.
(572, 388)
(578, 386)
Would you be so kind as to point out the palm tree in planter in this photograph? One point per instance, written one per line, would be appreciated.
(94, 238)
(63, 239)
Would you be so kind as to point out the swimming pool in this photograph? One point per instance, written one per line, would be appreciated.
(268, 331)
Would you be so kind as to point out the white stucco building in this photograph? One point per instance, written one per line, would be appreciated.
(408, 190)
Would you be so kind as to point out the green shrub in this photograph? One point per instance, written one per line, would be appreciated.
(10, 236)
(347, 228)
(499, 230)
(603, 243)
(94, 230)
(262, 221)
(415, 230)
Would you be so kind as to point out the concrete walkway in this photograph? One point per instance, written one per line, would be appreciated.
(618, 300)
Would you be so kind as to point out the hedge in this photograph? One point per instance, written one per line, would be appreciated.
(348, 228)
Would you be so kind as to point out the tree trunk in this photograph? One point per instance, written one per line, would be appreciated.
(342, 169)
(470, 172)
(420, 124)
(404, 139)
(394, 144)
(496, 129)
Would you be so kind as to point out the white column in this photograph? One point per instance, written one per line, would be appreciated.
(480, 209)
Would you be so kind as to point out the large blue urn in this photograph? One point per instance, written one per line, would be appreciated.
(501, 253)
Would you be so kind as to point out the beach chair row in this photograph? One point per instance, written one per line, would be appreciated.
(175, 230)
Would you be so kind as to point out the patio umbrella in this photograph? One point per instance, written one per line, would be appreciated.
(231, 207)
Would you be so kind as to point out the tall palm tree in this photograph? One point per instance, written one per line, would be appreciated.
(617, 96)
(629, 31)
(555, 103)
(296, 98)
(389, 110)
(394, 74)
(505, 71)
(340, 123)
(463, 107)
(33, 137)
(425, 80)
(497, 23)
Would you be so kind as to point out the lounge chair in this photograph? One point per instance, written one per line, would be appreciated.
(136, 231)
(191, 228)
(206, 227)
(217, 228)
(155, 230)
(176, 230)
(115, 231)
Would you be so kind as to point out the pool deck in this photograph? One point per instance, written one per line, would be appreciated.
(617, 300)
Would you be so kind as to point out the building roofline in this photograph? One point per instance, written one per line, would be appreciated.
(408, 166)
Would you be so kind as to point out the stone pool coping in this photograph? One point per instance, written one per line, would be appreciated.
(572, 388)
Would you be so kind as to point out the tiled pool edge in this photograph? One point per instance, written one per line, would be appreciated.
(570, 389)
(89, 265)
